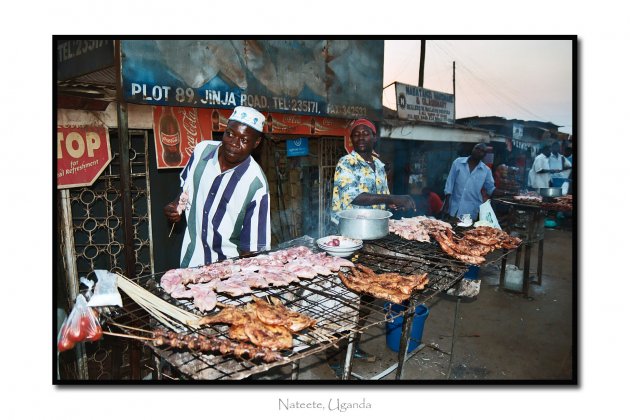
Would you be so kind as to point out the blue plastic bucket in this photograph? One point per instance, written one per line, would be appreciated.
(472, 273)
(393, 326)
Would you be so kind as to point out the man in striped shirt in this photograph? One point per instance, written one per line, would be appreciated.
(225, 195)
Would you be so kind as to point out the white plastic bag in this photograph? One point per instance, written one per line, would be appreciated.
(105, 292)
(487, 213)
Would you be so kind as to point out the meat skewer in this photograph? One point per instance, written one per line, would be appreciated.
(213, 344)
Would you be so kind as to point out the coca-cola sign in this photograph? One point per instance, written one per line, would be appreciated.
(177, 131)
(82, 154)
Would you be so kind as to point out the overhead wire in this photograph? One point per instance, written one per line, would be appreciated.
(462, 88)
(477, 82)
(502, 88)
(498, 89)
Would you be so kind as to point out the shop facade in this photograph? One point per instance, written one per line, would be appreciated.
(114, 220)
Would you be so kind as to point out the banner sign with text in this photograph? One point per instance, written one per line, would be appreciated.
(419, 104)
(335, 78)
(82, 154)
(177, 130)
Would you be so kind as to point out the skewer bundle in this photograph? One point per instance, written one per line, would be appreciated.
(163, 311)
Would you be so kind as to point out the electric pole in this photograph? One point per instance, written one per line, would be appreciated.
(423, 45)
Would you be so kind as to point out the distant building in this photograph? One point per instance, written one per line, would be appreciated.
(521, 140)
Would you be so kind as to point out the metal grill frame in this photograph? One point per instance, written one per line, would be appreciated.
(325, 298)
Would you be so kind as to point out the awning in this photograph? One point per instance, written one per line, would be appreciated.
(422, 131)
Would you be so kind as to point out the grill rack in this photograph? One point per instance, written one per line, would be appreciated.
(429, 252)
(325, 298)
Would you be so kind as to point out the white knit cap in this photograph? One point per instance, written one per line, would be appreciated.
(248, 116)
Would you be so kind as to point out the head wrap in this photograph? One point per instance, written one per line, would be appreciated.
(362, 121)
(248, 116)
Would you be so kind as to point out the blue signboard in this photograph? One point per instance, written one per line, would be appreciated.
(297, 147)
(336, 78)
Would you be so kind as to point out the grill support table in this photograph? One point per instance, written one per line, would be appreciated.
(526, 221)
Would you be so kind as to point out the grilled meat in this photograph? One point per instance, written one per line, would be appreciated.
(390, 286)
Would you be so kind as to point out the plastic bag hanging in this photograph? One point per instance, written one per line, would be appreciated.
(81, 325)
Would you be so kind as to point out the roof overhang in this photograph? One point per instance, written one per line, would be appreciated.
(416, 131)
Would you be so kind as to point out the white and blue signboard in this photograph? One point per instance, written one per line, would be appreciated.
(297, 147)
(335, 78)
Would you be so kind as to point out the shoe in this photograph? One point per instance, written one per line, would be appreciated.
(364, 356)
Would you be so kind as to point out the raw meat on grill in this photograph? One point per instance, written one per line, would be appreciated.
(170, 280)
(183, 202)
(181, 292)
(304, 272)
(233, 286)
(205, 301)
(255, 280)
(238, 277)
(417, 228)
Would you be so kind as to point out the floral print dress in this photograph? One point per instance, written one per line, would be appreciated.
(354, 176)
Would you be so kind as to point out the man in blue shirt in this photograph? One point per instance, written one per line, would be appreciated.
(467, 177)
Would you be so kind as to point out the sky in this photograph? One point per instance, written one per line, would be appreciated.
(521, 79)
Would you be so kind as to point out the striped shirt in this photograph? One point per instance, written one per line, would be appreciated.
(227, 212)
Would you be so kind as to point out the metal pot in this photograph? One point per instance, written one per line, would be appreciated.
(364, 223)
(550, 192)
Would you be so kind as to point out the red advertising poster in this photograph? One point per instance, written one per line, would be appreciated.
(305, 125)
(177, 130)
(82, 154)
